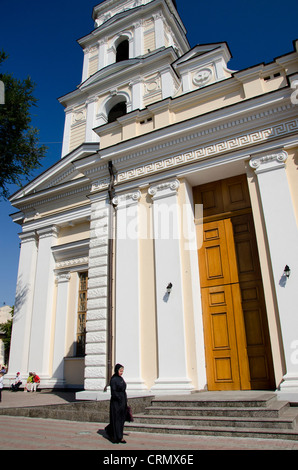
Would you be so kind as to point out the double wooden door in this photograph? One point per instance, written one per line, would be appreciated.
(237, 344)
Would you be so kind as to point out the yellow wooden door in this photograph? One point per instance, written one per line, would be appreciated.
(253, 304)
(225, 345)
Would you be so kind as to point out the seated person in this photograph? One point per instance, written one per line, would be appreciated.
(36, 382)
(29, 384)
(17, 383)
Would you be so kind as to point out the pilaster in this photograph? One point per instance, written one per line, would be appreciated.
(282, 235)
(62, 281)
(127, 315)
(90, 135)
(172, 364)
(21, 331)
(66, 134)
(42, 314)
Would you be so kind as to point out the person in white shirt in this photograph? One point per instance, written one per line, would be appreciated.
(17, 383)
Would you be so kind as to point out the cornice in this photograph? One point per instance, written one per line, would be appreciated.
(74, 250)
(246, 124)
(60, 219)
(116, 72)
(221, 147)
(131, 14)
(54, 174)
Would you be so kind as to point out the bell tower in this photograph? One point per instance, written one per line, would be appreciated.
(126, 66)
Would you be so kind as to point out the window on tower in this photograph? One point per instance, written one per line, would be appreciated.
(117, 111)
(122, 51)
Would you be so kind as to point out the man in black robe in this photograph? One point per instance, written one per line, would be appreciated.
(118, 406)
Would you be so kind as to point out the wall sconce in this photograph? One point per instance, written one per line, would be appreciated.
(287, 271)
(169, 288)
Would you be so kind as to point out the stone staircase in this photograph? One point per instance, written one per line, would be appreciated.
(226, 414)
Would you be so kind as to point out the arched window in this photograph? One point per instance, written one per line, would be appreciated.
(117, 111)
(122, 51)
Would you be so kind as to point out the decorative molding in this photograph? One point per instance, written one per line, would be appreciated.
(218, 148)
(72, 262)
(202, 76)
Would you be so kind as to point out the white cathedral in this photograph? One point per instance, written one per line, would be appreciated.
(165, 237)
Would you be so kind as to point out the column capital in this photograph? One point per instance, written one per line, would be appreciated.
(28, 236)
(51, 231)
(164, 189)
(268, 162)
(62, 277)
(126, 200)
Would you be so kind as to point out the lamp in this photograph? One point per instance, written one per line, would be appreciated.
(169, 288)
(287, 271)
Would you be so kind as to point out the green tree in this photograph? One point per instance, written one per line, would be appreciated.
(6, 329)
(20, 152)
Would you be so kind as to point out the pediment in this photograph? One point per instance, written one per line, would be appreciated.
(60, 174)
(200, 51)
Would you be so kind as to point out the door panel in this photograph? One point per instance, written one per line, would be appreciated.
(213, 256)
(220, 339)
(257, 335)
(224, 334)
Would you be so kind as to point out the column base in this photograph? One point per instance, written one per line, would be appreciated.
(135, 386)
(288, 389)
(100, 395)
(173, 386)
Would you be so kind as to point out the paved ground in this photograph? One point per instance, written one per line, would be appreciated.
(18, 433)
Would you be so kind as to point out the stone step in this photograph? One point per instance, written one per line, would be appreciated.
(266, 433)
(286, 421)
(274, 410)
(223, 400)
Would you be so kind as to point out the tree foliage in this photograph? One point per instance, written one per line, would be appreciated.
(6, 329)
(20, 152)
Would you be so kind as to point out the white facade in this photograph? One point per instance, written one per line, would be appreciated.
(188, 121)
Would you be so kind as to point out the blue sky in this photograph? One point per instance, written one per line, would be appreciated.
(40, 39)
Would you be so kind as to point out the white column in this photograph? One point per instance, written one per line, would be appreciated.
(66, 134)
(138, 39)
(136, 94)
(86, 64)
(282, 234)
(127, 317)
(167, 84)
(21, 330)
(90, 135)
(102, 51)
(62, 281)
(172, 365)
(159, 31)
(42, 315)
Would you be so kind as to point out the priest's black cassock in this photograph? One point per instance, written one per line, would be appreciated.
(118, 406)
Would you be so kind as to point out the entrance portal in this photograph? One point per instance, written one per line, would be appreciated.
(237, 344)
